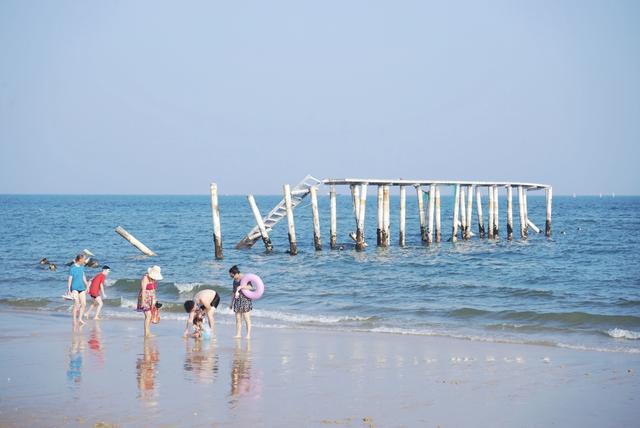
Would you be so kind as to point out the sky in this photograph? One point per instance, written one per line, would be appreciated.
(158, 97)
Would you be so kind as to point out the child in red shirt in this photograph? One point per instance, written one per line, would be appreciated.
(95, 289)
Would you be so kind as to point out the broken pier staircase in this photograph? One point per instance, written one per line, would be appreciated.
(298, 193)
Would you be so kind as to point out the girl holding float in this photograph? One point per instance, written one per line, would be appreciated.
(241, 299)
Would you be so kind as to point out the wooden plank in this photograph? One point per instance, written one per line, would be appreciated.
(463, 212)
(133, 241)
(467, 230)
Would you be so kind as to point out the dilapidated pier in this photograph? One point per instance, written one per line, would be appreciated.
(429, 211)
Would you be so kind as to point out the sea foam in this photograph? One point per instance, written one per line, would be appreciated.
(619, 333)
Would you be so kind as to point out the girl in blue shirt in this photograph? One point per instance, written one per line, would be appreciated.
(77, 285)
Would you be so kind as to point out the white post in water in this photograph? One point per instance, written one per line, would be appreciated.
(293, 245)
(333, 234)
(432, 197)
(437, 203)
(403, 201)
(456, 206)
(549, 197)
(463, 212)
(380, 217)
(509, 213)
(317, 242)
(479, 209)
(526, 211)
(355, 198)
(496, 222)
(523, 220)
(386, 218)
(133, 241)
(263, 230)
(423, 234)
(467, 229)
(491, 212)
(215, 218)
(360, 244)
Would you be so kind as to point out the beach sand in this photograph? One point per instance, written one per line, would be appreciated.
(107, 374)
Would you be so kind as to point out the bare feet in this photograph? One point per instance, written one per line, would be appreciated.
(80, 321)
(97, 318)
(237, 337)
(248, 337)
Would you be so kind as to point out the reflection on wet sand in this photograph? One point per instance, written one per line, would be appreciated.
(95, 343)
(146, 371)
(76, 351)
(201, 361)
(244, 382)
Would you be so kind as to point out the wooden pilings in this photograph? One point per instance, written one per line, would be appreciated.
(293, 245)
(549, 198)
(215, 219)
(479, 209)
(423, 230)
(133, 241)
(317, 242)
(432, 197)
(403, 201)
(438, 228)
(509, 213)
(429, 214)
(333, 234)
(360, 242)
(263, 230)
(456, 209)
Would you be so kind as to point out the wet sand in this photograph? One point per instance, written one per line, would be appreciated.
(107, 374)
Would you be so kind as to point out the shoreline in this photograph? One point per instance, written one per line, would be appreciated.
(608, 343)
(107, 373)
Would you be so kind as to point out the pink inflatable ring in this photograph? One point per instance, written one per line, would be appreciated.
(257, 284)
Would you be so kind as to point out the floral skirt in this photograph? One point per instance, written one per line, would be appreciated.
(242, 304)
(144, 306)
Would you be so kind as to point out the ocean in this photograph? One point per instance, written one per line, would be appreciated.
(580, 289)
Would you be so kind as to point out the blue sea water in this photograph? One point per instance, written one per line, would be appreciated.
(580, 289)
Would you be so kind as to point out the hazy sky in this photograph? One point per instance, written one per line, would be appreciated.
(165, 97)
